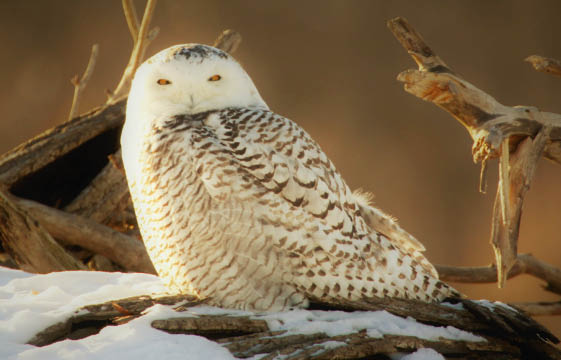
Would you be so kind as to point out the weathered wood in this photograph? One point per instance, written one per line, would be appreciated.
(212, 326)
(487, 120)
(540, 308)
(29, 244)
(478, 318)
(104, 193)
(266, 342)
(228, 41)
(101, 315)
(546, 65)
(496, 129)
(247, 336)
(57, 141)
(71, 229)
(517, 173)
(360, 346)
(525, 264)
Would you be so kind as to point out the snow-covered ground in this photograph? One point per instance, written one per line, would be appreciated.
(29, 303)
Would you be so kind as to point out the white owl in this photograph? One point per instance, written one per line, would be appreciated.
(238, 204)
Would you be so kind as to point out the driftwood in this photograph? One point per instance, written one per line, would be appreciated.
(30, 245)
(525, 264)
(75, 230)
(518, 135)
(509, 334)
(105, 193)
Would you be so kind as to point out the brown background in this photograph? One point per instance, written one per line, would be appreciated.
(331, 67)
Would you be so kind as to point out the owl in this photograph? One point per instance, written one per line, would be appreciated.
(240, 205)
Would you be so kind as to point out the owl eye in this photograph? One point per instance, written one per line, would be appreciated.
(215, 77)
(163, 82)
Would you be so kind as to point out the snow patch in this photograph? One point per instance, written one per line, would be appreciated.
(492, 305)
(377, 324)
(424, 354)
(30, 303)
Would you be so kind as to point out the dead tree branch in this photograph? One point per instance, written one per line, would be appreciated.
(525, 264)
(45, 148)
(75, 230)
(29, 244)
(228, 41)
(141, 43)
(540, 308)
(519, 135)
(80, 83)
(132, 18)
(111, 312)
(506, 331)
(104, 193)
(546, 65)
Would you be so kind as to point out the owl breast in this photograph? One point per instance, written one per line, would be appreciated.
(201, 240)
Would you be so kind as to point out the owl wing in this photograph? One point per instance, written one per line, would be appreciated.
(275, 163)
(305, 208)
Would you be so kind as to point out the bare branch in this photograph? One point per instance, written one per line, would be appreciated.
(525, 264)
(483, 177)
(497, 130)
(513, 188)
(546, 65)
(75, 230)
(132, 18)
(540, 308)
(137, 54)
(487, 121)
(412, 41)
(80, 83)
(228, 41)
(29, 244)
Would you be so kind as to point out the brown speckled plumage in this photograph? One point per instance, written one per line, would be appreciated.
(240, 204)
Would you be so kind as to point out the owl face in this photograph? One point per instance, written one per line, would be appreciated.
(189, 79)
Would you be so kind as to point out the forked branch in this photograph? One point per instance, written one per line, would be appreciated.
(140, 44)
(81, 82)
(519, 135)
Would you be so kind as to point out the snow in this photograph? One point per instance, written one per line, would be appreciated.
(491, 305)
(423, 354)
(29, 303)
(377, 324)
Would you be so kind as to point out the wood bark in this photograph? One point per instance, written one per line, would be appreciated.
(29, 244)
(71, 229)
(47, 147)
(509, 334)
(519, 135)
(104, 195)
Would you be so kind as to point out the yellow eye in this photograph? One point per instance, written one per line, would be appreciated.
(215, 78)
(163, 82)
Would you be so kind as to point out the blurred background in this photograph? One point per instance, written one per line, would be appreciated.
(331, 67)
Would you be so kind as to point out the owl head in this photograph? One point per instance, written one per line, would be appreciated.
(189, 79)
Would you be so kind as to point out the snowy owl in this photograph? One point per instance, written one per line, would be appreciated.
(238, 204)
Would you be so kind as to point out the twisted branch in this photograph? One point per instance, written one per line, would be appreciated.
(518, 135)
